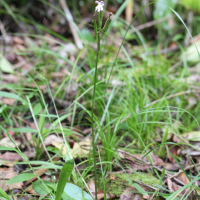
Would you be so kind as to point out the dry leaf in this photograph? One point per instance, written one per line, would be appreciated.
(8, 143)
(48, 140)
(184, 178)
(18, 40)
(7, 175)
(130, 194)
(80, 149)
(157, 161)
(4, 187)
(7, 163)
(100, 195)
(11, 133)
(60, 146)
(9, 156)
(8, 101)
(91, 185)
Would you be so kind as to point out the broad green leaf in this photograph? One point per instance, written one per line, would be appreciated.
(193, 5)
(37, 108)
(191, 55)
(20, 178)
(76, 193)
(43, 188)
(86, 35)
(3, 194)
(5, 66)
(24, 130)
(12, 96)
(64, 175)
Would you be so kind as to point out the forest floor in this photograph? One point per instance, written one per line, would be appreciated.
(146, 117)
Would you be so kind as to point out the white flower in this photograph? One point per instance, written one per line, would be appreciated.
(99, 7)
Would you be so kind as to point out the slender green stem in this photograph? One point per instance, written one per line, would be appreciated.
(93, 101)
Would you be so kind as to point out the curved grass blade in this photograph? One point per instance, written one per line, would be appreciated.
(64, 175)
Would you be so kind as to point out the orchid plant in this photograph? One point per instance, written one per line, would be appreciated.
(99, 33)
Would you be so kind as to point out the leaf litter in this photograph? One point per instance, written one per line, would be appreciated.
(141, 178)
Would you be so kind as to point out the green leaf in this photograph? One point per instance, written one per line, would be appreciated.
(3, 194)
(37, 108)
(2, 148)
(76, 193)
(191, 5)
(86, 35)
(190, 54)
(12, 96)
(24, 130)
(5, 66)
(20, 178)
(64, 175)
(43, 188)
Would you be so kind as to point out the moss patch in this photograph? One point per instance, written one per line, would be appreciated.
(122, 181)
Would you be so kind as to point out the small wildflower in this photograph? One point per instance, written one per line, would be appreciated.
(99, 7)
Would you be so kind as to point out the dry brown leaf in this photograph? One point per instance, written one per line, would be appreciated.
(91, 185)
(157, 161)
(80, 149)
(60, 146)
(18, 40)
(7, 163)
(100, 195)
(184, 178)
(4, 187)
(9, 156)
(8, 101)
(8, 143)
(48, 140)
(172, 166)
(130, 194)
(173, 187)
(7, 175)
(11, 133)
(31, 190)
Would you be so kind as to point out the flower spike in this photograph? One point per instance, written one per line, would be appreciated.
(99, 7)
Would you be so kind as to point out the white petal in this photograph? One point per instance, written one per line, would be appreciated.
(99, 8)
